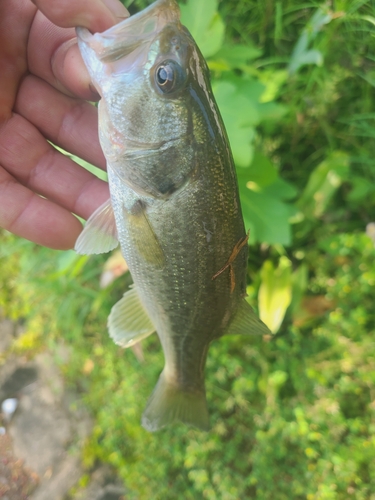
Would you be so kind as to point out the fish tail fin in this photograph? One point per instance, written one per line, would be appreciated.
(169, 403)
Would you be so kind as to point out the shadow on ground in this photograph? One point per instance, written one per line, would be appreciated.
(41, 442)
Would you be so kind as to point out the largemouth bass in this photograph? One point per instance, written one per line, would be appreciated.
(174, 204)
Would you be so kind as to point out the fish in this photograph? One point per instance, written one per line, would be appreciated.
(174, 205)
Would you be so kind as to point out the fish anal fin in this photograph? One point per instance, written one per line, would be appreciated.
(246, 322)
(144, 237)
(128, 322)
(99, 234)
(169, 403)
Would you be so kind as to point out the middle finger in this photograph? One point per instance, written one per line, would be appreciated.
(69, 123)
(27, 156)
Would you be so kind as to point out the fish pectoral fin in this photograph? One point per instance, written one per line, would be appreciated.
(144, 238)
(99, 234)
(246, 322)
(128, 322)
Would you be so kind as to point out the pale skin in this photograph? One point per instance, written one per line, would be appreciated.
(44, 89)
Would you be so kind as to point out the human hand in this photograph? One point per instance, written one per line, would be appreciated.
(44, 86)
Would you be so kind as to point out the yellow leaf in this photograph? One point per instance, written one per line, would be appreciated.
(275, 292)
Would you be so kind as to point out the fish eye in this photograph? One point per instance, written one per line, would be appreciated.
(169, 76)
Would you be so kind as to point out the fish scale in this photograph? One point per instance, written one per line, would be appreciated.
(174, 204)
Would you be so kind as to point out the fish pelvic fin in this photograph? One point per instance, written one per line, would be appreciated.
(169, 403)
(128, 322)
(99, 234)
(246, 322)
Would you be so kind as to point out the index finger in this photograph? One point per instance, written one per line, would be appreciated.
(95, 15)
(15, 22)
(53, 54)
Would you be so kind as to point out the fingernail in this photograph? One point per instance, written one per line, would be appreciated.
(116, 8)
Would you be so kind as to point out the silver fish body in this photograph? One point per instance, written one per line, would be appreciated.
(174, 197)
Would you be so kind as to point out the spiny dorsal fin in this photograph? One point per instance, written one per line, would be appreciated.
(99, 234)
(246, 322)
(128, 322)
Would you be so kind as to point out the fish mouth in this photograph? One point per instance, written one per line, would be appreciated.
(134, 31)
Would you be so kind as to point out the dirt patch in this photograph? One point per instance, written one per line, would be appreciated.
(17, 482)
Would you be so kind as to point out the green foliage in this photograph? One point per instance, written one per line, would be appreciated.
(301, 53)
(323, 182)
(293, 414)
(205, 25)
(296, 412)
(275, 292)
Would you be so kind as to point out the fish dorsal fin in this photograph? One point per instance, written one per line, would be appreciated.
(128, 322)
(246, 322)
(99, 234)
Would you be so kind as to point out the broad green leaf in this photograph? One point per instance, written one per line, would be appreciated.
(205, 24)
(323, 183)
(246, 85)
(271, 111)
(281, 189)
(236, 56)
(240, 116)
(261, 171)
(267, 217)
(235, 105)
(275, 292)
(360, 189)
(262, 197)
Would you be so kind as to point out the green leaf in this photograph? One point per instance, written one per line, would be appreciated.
(262, 197)
(273, 82)
(323, 183)
(240, 116)
(271, 111)
(300, 278)
(361, 188)
(301, 54)
(236, 56)
(308, 57)
(281, 189)
(277, 379)
(205, 24)
(266, 217)
(247, 85)
(275, 292)
(261, 171)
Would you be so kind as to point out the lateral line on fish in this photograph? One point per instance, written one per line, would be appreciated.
(229, 264)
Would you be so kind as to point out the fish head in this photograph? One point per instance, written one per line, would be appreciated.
(121, 52)
(147, 70)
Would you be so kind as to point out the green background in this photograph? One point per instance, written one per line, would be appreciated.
(293, 414)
